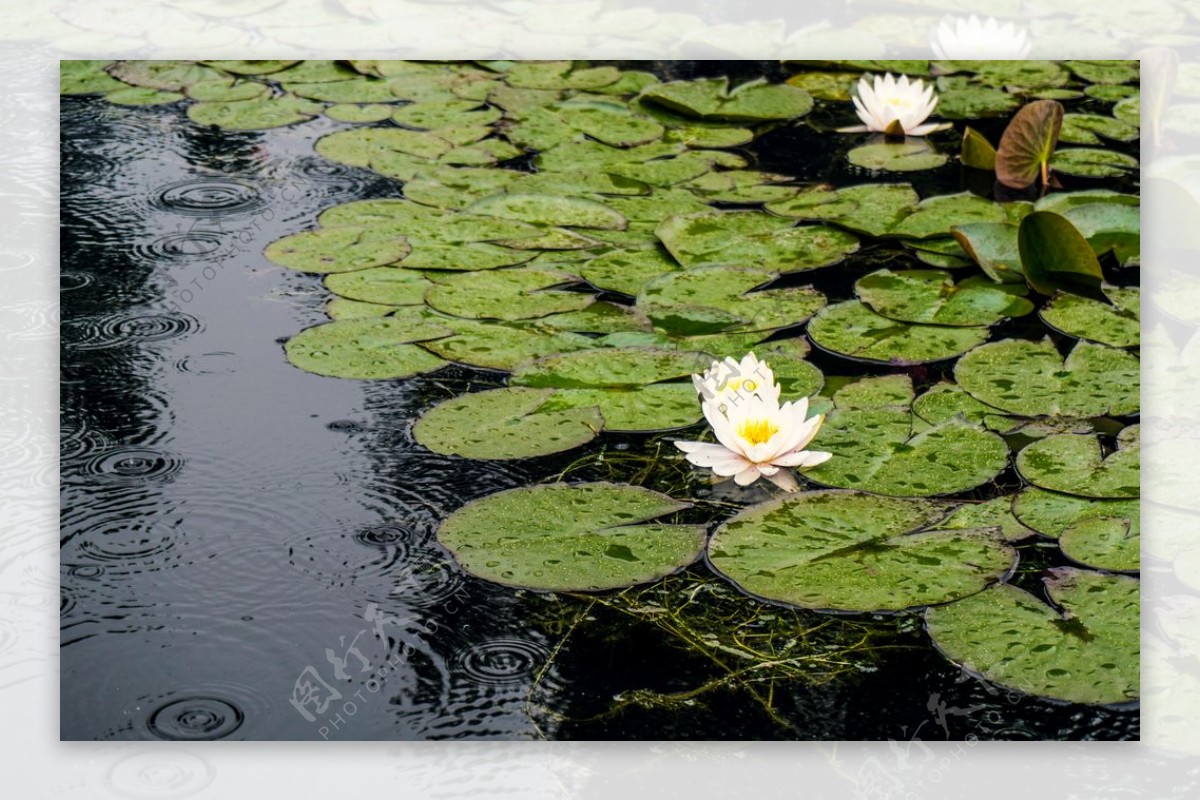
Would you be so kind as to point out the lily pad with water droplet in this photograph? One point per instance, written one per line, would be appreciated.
(549, 210)
(937, 216)
(1093, 163)
(944, 401)
(753, 238)
(227, 91)
(1093, 129)
(355, 112)
(370, 348)
(507, 423)
(171, 76)
(1086, 654)
(1094, 321)
(392, 286)
(875, 451)
(86, 76)
(560, 75)
(580, 537)
(969, 102)
(612, 367)
(460, 257)
(712, 99)
(338, 250)
(505, 294)
(441, 114)
(826, 85)
(996, 513)
(655, 407)
(1108, 72)
(932, 296)
(910, 155)
(260, 67)
(502, 346)
(1129, 110)
(1075, 464)
(627, 271)
(358, 90)
(140, 96)
(871, 209)
(253, 115)
(609, 122)
(1031, 379)
(728, 291)
(854, 552)
(339, 308)
(741, 186)
(851, 329)
(994, 247)
(363, 147)
(1104, 534)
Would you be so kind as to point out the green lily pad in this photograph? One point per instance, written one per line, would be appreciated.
(1087, 654)
(1031, 379)
(560, 75)
(741, 186)
(851, 329)
(893, 393)
(442, 114)
(627, 271)
(1092, 163)
(910, 155)
(994, 247)
(1088, 319)
(937, 216)
(261, 67)
(826, 85)
(584, 155)
(712, 99)
(1109, 92)
(85, 77)
(968, 102)
(653, 208)
(355, 112)
(393, 151)
(977, 151)
(655, 407)
(315, 71)
(875, 451)
(580, 537)
(854, 552)
(1063, 202)
(1074, 464)
(931, 296)
(338, 250)
(391, 286)
(139, 96)
(871, 209)
(172, 76)
(944, 401)
(1092, 129)
(358, 90)
(253, 115)
(1105, 71)
(611, 367)
(598, 318)
(1027, 144)
(460, 257)
(727, 290)
(996, 513)
(609, 122)
(506, 423)
(376, 347)
(1100, 534)
(1055, 255)
(1129, 110)
(457, 187)
(617, 190)
(505, 294)
(499, 346)
(227, 91)
(550, 210)
(753, 238)
(1115, 227)
(339, 308)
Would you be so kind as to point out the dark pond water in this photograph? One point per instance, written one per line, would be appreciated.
(248, 550)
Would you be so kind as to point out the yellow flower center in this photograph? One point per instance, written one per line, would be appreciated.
(736, 384)
(757, 431)
(899, 101)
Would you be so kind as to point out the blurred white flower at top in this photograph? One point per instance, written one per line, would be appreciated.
(889, 103)
(973, 38)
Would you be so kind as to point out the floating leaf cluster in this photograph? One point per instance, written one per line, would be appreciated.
(594, 236)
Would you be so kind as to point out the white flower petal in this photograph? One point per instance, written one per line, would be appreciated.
(747, 476)
(784, 480)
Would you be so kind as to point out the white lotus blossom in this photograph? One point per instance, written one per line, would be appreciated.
(756, 436)
(888, 101)
(957, 38)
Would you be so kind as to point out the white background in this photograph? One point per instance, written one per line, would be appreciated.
(34, 34)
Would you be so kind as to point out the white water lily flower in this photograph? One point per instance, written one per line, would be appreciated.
(756, 436)
(889, 101)
(729, 378)
(970, 39)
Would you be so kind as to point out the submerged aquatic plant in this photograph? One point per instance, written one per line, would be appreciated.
(895, 107)
(756, 436)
